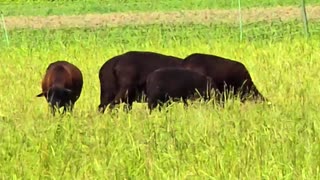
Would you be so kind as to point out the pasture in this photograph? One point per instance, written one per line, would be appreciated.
(250, 141)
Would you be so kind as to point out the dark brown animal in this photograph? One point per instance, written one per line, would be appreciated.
(177, 83)
(231, 77)
(61, 85)
(123, 77)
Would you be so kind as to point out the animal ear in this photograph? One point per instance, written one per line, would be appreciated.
(39, 95)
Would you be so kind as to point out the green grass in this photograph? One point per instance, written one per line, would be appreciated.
(241, 141)
(45, 8)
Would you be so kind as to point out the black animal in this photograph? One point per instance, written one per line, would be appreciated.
(123, 77)
(231, 77)
(61, 85)
(171, 83)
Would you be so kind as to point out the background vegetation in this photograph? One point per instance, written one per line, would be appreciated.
(72, 7)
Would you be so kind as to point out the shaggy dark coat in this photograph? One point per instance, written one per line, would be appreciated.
(231, 77)
(61, 85)
(177, 83)
(123, 77)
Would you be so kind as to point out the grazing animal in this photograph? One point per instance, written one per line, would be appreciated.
(228, 75)
(172, 83)
(123, 77)
(61, 85)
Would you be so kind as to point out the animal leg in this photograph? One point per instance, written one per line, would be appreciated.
(151, 104)
(130, 98)
(106, 98)
(52, 110)
(207, 95)
(68, 107)
(71, 107)
(122, 96)
(65, 109)
(185, 103)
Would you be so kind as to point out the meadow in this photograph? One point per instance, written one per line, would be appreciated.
(247, 141)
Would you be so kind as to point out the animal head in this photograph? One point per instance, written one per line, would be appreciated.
(56, 96)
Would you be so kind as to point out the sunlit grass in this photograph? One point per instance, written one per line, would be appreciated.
(240, 141)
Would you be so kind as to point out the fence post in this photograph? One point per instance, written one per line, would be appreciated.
(240, 19)
(305, 19)
(5, 29)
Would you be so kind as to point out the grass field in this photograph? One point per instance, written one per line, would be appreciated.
(240, 141)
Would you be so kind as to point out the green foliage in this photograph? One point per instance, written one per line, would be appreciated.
(250, 141)
(64, 7)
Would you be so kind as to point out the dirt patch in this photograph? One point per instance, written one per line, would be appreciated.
(191, 16)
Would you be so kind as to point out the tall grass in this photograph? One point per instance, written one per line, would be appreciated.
(64, 7)
(240, 141)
